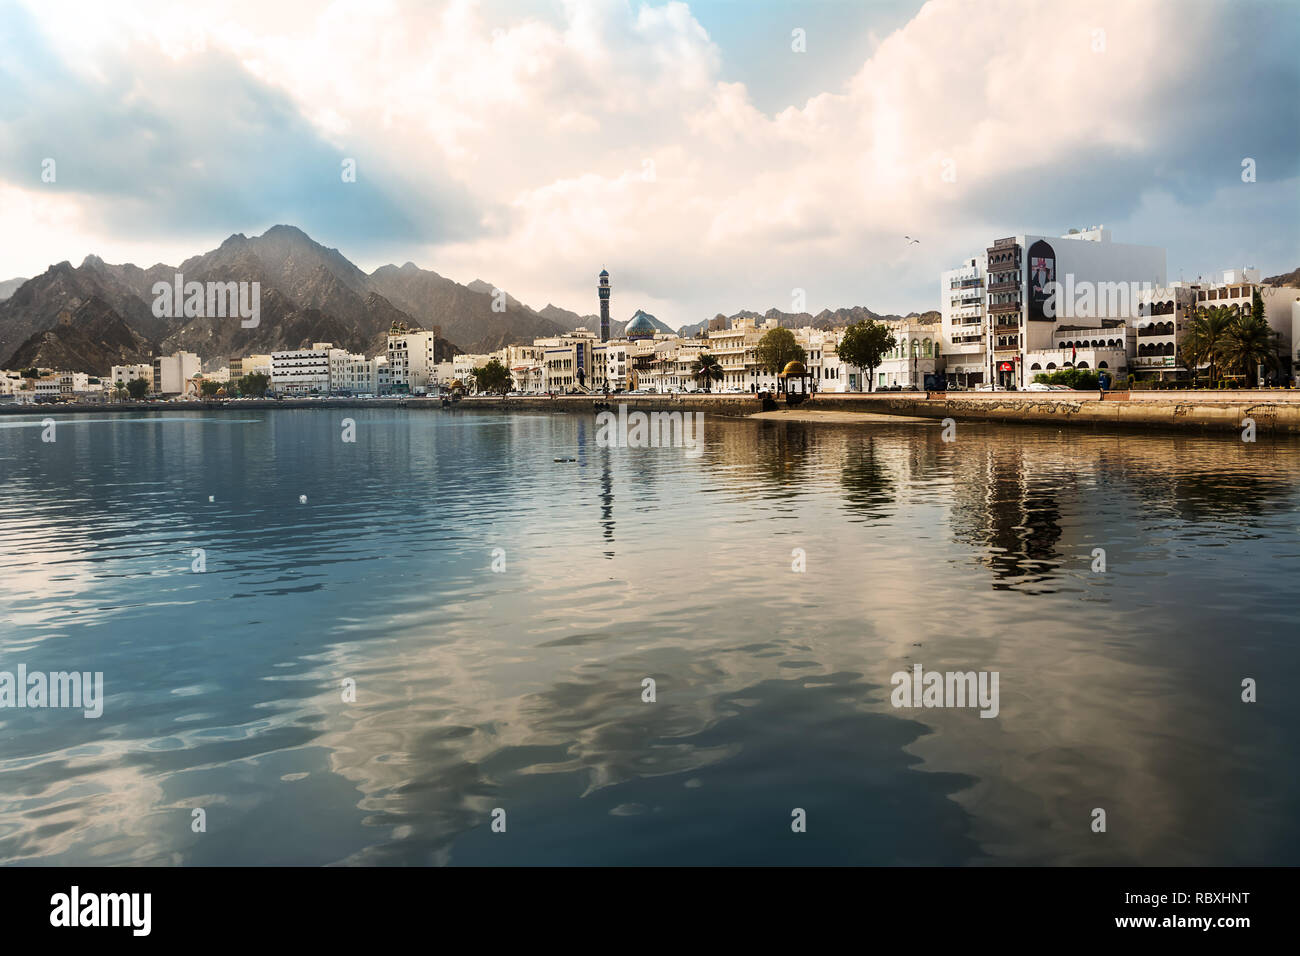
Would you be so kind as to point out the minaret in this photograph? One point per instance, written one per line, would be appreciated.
(603, 289)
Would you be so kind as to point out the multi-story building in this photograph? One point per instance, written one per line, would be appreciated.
(1164, 314)
(412, 359)
(171, 373)
(962, 322)
(525, 365)
(464, 363)
(914, 359)
(1031, 286)
(258, 364)
(352, 373)
(1281, 306)
(573, 361)
(302, 371)
(125, 374)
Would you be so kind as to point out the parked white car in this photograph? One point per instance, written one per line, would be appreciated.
(1037, 387)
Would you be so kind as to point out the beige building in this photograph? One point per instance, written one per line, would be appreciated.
(172, 372)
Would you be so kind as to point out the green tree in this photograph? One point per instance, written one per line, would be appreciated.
(492, 378)
(209, 388)
(776, 349)
(139, 387)
(1250, 346)
(119, 390)
(1080, 378)
(31, 372)
(255, 384)
(707, 369)
(1206, 334)
(865, 344)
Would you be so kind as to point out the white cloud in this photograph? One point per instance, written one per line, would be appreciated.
(548, 126)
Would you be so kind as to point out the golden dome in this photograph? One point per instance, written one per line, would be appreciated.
(793, 369)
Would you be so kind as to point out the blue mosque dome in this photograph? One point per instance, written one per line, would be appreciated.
(641, 326)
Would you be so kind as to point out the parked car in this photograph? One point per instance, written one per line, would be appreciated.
(987, 387)
(1037, 387)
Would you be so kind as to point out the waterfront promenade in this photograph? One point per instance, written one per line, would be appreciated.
(1272, 410)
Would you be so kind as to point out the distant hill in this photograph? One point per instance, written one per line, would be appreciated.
(309, 293)
(1291, 279)
(8, 287)
(463, 313)
(825, 319)
(93, 339)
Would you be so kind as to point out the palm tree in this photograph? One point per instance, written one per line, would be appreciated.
(1205, 337)
(1249, 345)
(707, 369)
(120, 389)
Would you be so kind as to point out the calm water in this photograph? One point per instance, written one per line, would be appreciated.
(522, 689)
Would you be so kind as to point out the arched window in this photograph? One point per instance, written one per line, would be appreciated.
(1102, 365)
(1169, 348)
(1051, 365)
(1035, 367)
(1082, 365)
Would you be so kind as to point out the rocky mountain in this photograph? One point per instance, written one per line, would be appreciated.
(92, 338)
(572, 320)
(1291, 279)
(464, 313)
(309, 293)
(8, 287)
(825, 319)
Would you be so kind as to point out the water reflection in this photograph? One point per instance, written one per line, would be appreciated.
(524, 689)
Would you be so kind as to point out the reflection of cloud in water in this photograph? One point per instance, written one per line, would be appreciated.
(523, 690)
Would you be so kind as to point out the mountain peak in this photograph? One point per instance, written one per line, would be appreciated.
(287, 231)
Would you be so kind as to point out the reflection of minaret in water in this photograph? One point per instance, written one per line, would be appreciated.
(603, 291)
(607, 501)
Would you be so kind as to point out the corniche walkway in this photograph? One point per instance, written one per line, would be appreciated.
(1267, 411)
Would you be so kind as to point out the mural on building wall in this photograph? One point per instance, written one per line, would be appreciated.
(1042, 274)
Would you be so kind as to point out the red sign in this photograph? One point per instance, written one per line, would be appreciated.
(1005, 367)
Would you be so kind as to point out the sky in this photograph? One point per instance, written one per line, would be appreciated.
(715, 155)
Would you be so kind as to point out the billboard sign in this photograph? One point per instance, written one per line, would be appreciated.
(1042, 275)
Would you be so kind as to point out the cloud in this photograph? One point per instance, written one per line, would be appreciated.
(531, 149)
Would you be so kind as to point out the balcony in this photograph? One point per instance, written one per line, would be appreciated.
(1010, 285)
(1001, 308)
(1007, 348)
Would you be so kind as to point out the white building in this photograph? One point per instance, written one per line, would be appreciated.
(352, 373)
(412, 359)
(962, 322)
(1025, 287)
(171, 373)
(917, 346)
(302, 371)
(125, 374)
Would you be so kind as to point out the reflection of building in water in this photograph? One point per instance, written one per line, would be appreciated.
(999, 505)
